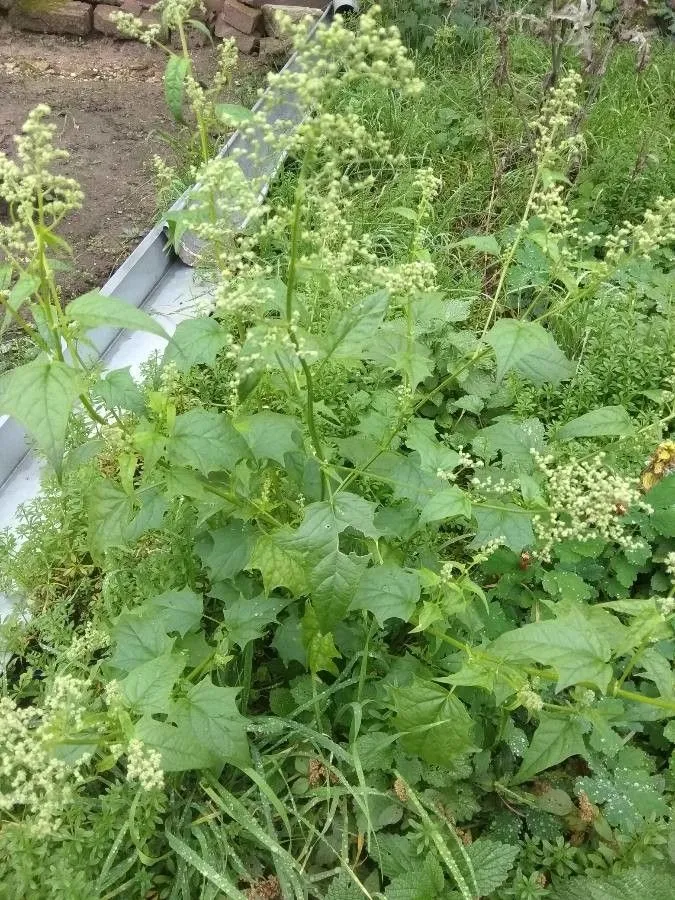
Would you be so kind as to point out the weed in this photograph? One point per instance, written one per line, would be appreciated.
(349, 597)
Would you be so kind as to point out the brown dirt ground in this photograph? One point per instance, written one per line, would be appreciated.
(107, 98)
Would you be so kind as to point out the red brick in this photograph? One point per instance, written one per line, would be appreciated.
(71, 18)
(243, 18)
(102, 22)
(246, 43)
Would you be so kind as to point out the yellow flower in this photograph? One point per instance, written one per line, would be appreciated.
(661, 463)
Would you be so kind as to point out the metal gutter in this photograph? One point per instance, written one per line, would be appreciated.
(149, 278)
(159, 281)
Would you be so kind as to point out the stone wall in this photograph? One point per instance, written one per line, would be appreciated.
(248, 22)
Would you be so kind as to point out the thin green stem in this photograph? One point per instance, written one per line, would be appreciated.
(614, 689)
(512, 252)
(236, 500)
(201, 124)
(355, 473)
(291, 277)
(247, 676)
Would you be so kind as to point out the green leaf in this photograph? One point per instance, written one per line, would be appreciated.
(421, 437)
(217, 878)
(388, 592)
(195, 341)
(206, 441)
(432, 722)
(270, 435)
(571, 645)
(662, 498)
(352, 329)
(179, 611)
(287, 640)
(606, 421)
(279, 565)
(24, 287)
(506, 521)
(514, 440)
(352, 511)
(405, 213)
(216, 723)
(174, 84)
(175, 743)
(394, 350)
(227, 551)
(233, 113)
(148, 687)
(137, 639)
(344, 888)
(324, 521)
(658, 669)
(556, 739)
(566, 586)
(375, 750)
(333, 583)
(555, 801)
(449, 503)
(425, 881)
(110, 510)
(432, 309)
(530, 350)
(662, 495)
(118, 390)
(627, 797)
(637, 882)
(200, 26)
(41, 395)
(483, 243)
(247, 619)
(321, 651)
(492, 861)
(94, 309)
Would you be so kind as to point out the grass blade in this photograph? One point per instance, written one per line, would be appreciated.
(194, 859)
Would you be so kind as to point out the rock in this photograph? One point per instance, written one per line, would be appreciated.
(295, 14)
(148, 17)
(133, 7)
(213, 7)
(73, 17)
(103, 23)
(195, 39)
(308, 4)
(244, 18)
(246, 43)
(274, 52)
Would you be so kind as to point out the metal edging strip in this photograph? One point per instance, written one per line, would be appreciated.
(137, 278)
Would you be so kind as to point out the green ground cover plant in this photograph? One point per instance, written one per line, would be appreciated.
(367, 588)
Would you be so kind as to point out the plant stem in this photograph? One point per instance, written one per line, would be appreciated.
(614, 689)
(247, 676)
(201, 124)
(290, 291)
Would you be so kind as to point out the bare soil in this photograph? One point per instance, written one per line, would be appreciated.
(107, 98)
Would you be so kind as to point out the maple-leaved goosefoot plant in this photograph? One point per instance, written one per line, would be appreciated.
(296, 583)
